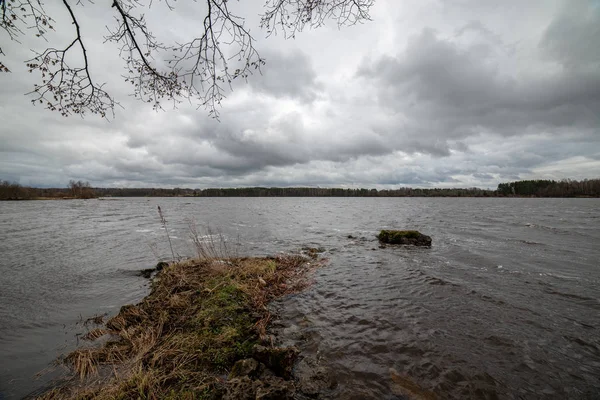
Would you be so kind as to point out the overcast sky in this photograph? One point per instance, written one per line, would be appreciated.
(431, 93)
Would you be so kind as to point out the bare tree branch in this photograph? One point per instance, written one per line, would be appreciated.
(199, 71)
(19, 16)
(203, 64)
(292, 16)
(66, 89)
(3, 68)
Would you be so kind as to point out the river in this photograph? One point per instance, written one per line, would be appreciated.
(505, 304)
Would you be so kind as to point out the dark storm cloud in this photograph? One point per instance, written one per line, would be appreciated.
(459, 91)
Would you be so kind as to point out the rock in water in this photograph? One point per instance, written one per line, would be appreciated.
(415, 238)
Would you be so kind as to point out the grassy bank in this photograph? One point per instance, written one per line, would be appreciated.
(200, 334)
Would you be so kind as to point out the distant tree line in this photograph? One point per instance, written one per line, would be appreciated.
(292, 192)
(340, 192)
(528, 188)
(75, 190)
(548, 188)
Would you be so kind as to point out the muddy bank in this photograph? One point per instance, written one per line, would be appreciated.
(200, 333)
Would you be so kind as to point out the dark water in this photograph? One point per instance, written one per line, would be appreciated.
(505, 304)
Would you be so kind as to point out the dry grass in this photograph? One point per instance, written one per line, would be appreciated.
(209, 245)
(95, 334)
(200, 317)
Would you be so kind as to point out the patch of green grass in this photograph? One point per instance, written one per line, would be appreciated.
(222, 329)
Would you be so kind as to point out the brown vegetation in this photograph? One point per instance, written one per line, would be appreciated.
(199, 319)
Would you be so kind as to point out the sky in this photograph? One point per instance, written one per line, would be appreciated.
(430, 93)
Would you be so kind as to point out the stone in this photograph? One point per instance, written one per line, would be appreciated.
(247, 367)
(414, 238)
(313, 379)
(279, 359)
(266, 387)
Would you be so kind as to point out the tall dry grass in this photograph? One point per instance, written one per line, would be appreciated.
(163, 222)
(209, 245)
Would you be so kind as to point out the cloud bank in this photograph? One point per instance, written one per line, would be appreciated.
(430, 93)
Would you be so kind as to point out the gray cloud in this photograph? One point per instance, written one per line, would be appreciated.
(287, 75)
(465, 93)
(461, 91)
(572, 37)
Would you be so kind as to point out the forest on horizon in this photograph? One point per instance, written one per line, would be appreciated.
(524, 188)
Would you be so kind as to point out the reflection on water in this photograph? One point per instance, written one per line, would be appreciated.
(505, 304)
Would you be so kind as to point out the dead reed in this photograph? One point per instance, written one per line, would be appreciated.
(163, 222)
(209, 245)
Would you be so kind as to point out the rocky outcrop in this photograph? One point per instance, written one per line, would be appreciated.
(279, 359)
(414, 238)
(313, 380)
(267, 376)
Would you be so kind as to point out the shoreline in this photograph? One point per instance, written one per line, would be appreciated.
(201, 332)
(52, 198)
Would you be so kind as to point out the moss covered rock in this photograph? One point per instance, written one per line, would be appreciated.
(247, 367)
(415, 238)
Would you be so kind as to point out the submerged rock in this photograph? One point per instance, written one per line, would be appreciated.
(403, 386)
(414, 238)
(313, 252)
(313, 379)
(147, 273)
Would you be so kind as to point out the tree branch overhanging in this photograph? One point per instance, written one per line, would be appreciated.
(199, 71)
(293, 16)
(66, 89)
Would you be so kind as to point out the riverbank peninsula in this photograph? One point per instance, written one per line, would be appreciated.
(201, 333)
